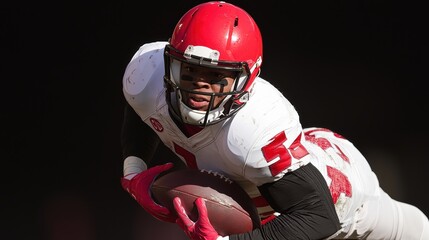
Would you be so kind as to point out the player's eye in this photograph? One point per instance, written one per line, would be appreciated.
(185, 77)
(217, 80)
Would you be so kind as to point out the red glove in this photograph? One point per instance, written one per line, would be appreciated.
(202, 229)
(139, 188)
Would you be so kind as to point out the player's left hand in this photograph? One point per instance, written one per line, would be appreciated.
(139, 188)
(202, 229)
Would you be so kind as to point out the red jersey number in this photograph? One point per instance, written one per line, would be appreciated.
(276, 149)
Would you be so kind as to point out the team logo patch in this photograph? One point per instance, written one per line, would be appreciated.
(156, 125)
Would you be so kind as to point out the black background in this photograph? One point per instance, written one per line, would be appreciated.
(356, 67)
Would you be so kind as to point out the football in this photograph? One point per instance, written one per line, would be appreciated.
(230, 209)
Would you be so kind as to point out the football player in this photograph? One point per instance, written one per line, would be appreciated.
(200, 94)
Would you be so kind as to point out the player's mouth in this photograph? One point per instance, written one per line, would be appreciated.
(198, 103)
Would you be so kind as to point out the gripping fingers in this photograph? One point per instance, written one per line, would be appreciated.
(184, 221)
(203, 217)
(140, 189)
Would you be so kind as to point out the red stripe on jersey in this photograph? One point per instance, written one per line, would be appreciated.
(267, 219)
(190, 159)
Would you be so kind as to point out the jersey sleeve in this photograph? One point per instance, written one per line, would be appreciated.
(143, 78)
(142, 85)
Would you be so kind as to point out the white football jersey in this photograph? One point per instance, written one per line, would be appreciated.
(259, 144)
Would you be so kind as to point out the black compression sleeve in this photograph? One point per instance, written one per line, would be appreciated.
(305, 203)
(137, 138)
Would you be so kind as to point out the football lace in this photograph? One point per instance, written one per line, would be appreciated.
(216, 174)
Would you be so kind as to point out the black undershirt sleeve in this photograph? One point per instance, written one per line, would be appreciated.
(305, 203)
(137, 138)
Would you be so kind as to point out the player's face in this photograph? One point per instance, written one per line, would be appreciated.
(206, 80)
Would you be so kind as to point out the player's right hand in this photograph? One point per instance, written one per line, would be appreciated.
(139, 188)
(201, 229)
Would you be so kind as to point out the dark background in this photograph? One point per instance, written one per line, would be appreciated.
(357, 67)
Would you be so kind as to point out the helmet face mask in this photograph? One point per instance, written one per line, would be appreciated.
(176, 90)
(199, 40)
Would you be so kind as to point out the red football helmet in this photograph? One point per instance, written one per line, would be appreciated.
(215, 35)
